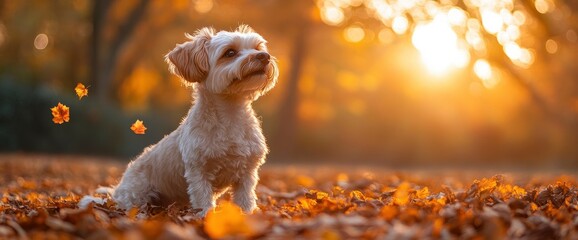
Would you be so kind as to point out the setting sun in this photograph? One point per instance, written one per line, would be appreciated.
(439, 45)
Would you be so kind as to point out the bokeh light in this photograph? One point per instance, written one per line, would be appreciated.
(543, 6)
(354, 34)
(332, 15)
(492, 21)
(386, 36)
(203, 6)
(41, 41)
(483, 70)
(400, 24)
(551, 46)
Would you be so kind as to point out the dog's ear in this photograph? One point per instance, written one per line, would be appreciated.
(244, 29)
(190, 60)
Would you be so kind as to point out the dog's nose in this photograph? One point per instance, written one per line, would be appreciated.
(263, 57)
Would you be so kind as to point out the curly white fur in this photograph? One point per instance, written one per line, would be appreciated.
(219, 145)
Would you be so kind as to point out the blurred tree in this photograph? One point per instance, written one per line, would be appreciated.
(105, 55)
(408, 81)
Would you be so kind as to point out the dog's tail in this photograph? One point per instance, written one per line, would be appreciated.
(86, 200)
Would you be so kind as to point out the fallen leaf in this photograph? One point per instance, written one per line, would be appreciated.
(138, 127)
(401, 196)
(227, 220)
(422, 193)
(355, 194)
(60, 113)
(316, 195)
(132, 213)
(81, 90)
(389, 212)
(58, 224)
(330, 235)
(305, 181)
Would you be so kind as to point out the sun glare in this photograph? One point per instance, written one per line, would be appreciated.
(447, 35)
(438, 45)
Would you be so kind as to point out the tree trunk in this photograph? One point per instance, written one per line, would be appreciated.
(286, 134)
(99, 12)
(106, 69)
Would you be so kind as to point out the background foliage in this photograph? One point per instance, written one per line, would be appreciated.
(394, 82)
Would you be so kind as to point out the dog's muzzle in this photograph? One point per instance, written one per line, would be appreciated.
(263, 57)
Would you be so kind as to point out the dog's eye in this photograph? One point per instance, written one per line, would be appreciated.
(230, 53)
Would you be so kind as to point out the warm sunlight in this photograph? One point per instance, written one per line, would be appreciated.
(439, 45)
(280, 119)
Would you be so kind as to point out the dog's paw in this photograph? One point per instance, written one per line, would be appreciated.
(203, 212)
(86, 200)
(248, 206)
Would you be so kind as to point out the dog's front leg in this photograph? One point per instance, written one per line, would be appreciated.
(244, 192)
(200, 190)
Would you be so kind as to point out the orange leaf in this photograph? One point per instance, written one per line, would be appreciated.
(357, 194)
(316, 195)
(305, 181)
(422, 193)
(228, 220)
(132, 213)
(389, 212)
(401, 195)
(60, 113)
(138, 127)
(81, 90)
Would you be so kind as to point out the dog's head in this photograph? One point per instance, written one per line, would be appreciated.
(235, 63)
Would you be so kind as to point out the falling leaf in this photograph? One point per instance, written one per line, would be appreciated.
(138, 127)
(60, 113)
(81, 90)
(227, 221)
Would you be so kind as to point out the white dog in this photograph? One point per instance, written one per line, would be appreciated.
(219, 144)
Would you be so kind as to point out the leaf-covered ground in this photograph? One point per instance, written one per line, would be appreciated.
(39, 196)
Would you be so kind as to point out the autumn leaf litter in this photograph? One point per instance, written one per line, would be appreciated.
(39, 200)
